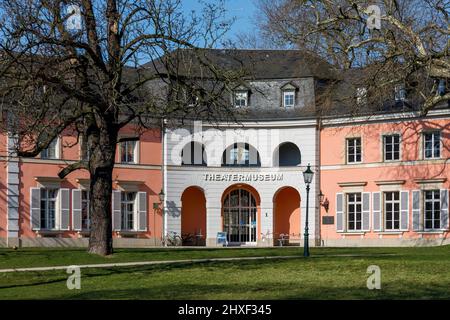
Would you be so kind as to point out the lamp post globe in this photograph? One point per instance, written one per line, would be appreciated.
(308, 174)
(161, 196)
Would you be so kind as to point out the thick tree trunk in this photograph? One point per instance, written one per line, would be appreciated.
(100, 240)
(101, 164)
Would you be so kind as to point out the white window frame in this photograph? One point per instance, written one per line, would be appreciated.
(347, 145)
(193, 101)
(135, 152)
(392, 202)
(434, 201)
(361, 96)
(400, 93)
(441, 87)
(56, 143)
(234, 155)
(288, 93)
(244, 97)
(347, 211)
(392, 146)
(432, 132)
(46, 210)
(125, 215)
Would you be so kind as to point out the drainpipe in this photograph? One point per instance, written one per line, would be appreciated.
(318, 184)
(164, 177)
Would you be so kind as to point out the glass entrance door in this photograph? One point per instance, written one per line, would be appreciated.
(239, 216)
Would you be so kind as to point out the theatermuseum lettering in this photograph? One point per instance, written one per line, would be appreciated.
(241, 177)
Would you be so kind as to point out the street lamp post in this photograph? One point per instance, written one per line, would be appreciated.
(308, 176)
(161, 196)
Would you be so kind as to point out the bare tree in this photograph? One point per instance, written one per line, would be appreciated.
(90, 68)
(409, 47)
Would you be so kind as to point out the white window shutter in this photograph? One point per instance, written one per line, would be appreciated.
(376, 211)
(76, 209)
(404, 210)
(58, 147)
(366, 211)
(136, 152)
(444, 209)
(416, 223)
(35, 208)
(142, 210)
(339, 212)
(64, 209)
(116, 210)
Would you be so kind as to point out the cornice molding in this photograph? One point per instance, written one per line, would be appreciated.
(389, 182)
(352, 184)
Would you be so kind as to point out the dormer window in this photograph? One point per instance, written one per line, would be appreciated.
(288, 95)
(400, 93)
(288, 98)
(361, 96)
(441, 87)
(240, 98)
(193, 100)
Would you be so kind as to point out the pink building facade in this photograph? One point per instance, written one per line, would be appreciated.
(386, 178)
(39, 209)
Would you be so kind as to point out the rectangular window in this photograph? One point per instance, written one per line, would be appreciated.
(391, 147)
(48, 208)
(432, 210)
(400, 93)
(392, 210)
(442, 87)
(128, 210)
(127, 151)
(354, 211)
(240, 99)
(85, 219)
(361, 96)
(51, 151)
(288, 99)
(353, 150)
(432, 145)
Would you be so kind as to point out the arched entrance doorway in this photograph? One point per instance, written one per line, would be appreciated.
(287, 216)
(193, 216)
(240, 214)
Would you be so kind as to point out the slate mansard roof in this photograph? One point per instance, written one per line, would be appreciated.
(327, 91)
(265, 74)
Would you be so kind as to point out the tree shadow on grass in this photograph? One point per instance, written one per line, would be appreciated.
(148, 270)
(92, 273)
(391, 291)
(33, 284)
(270, 291)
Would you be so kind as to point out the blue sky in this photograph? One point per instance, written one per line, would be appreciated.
(243, 10)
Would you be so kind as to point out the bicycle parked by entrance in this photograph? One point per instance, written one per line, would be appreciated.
(172, 239)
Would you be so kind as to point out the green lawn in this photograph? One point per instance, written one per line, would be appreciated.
(406, 273)
(40, 257)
